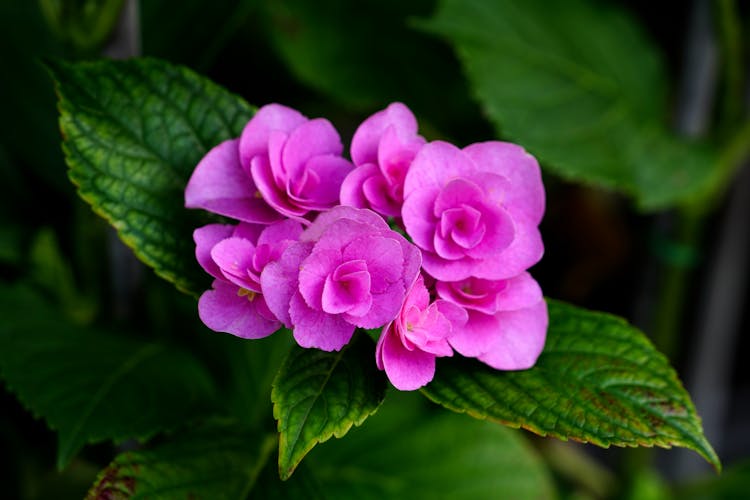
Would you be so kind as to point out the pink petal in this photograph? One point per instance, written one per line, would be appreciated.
(520, 168)
(234, 256)
(384, 258)
(248, 231)
(279, 280)
(317, 329)
(324, 220)
(283, 230)
(347, 289)
(219, 185)
(419, 219)
(340, 233)
(519, 340)
(498, 237)
(436, 163)
(407, 370)
(351, 188)
(223, 310)
(366, 138)
(205, 238)
(314, 271)
(522, 292)
(384, 308)
(396, 151)
(254, 139)
(525, 250)
(263, 175)
(313, 138)
(476, 336)
(331, 170)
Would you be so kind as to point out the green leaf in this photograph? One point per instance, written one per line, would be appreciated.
(599, 380)
(314, 38)
(426, 455)
(580, 86)
(218, 460)
(86, 25)
(133, 133)
(320, 394)
(92, 386)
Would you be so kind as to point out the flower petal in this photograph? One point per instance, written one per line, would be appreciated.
(279, 280)
(222, 309)
(220, 185)
(316, 328)
(520, 168)
(234, 256)
(205, 238)
(366, 138)
(407, 370)
(519, 340)
(254, 139)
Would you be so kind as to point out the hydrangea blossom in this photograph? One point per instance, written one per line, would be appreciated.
(507, 320)
(382, 148)
(296, 163)
(474, 212)
(235, 257)
(348, 270)
(409, 345)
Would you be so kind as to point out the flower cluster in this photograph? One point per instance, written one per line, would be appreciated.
(312, 248)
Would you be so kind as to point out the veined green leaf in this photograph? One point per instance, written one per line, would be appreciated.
(578, 84)
(599, 380)
(318, 394)
(401, 453)
(218, 460)
(133, 133)
(90, 385)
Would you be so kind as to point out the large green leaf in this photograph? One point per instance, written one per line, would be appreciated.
(364, 55)
(579, 85)
(402, 453)
(133, 133)
(90, 385)
(218, 460)
(320, 394)
(599, 380)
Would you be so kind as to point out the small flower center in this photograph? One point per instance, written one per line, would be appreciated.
(244, 292)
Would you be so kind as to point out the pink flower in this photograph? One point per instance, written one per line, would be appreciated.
(296, 163)
(383, 147)
(220, 185)
(507, 321)
(474, 212)
(236, 256)
(348, 270)
(408, 346)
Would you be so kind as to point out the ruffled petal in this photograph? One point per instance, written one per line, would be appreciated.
(407, 370)
(220, 185)
(520, 168)
(317, 329)
(279, 280)
(205, 238)
(223, 309)
(254, 139)
(367, 137)
(519, 340)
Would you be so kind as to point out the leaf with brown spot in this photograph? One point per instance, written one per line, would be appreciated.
(599, 380)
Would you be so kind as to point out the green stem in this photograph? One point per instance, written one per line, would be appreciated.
(679, 256)
(730, 34)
